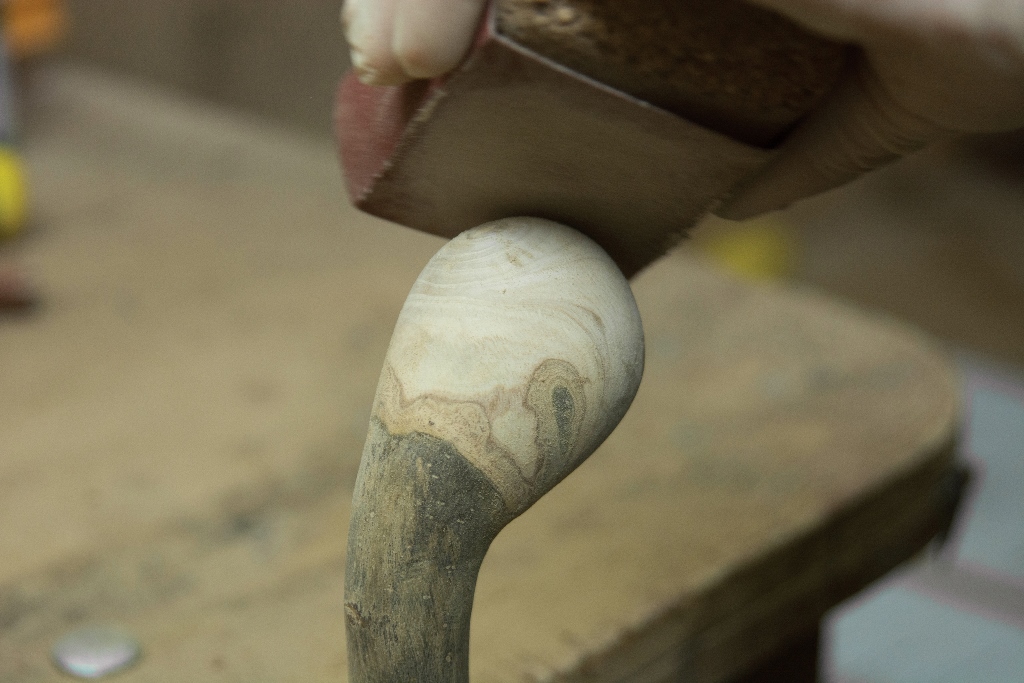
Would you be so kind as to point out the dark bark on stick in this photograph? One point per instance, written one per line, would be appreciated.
(423, 518)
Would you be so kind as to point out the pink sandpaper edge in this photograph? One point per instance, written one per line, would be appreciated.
(370, 120)
(368, 123)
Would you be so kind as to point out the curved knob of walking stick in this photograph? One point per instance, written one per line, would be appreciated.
(517, 352)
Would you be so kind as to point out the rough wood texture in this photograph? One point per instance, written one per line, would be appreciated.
(423, 518)
(181, 426)
(517, 351)
(725, 64)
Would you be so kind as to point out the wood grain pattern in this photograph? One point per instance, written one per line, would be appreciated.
(753, 509)
(181, 427)
(516, 353)
(520, 344)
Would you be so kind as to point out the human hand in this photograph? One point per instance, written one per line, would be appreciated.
(394, 41)
(928, 70)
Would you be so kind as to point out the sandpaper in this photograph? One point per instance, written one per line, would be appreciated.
(628, 122)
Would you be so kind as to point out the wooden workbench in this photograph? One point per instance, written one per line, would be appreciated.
(182, 421)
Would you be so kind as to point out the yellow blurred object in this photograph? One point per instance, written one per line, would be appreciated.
(12, 194)
(758, 249)
(33, 27)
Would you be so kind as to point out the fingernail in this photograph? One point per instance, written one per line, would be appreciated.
(351, 21)
(370, 75)
(348, 17)
(364, 72)
(359, 23)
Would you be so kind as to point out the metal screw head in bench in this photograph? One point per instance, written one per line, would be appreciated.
(95, 652)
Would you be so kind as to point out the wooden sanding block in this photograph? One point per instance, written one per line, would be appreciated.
(626, 121)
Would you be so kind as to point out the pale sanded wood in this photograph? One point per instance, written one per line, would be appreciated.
(517, 352)
(783, 451)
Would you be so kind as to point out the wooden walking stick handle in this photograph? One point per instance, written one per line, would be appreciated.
(517, 352)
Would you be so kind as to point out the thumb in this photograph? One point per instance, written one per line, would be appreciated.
(859, 127)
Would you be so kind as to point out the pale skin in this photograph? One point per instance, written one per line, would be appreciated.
(929, 70)
(520, 347)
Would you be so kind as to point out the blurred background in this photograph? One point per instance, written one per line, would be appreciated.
(936, 240)
(280, 60)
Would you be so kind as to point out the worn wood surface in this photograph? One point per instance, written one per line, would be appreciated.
(517, 352)
(182, 422)
(422, 520)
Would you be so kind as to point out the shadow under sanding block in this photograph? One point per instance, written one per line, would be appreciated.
(627, 121)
